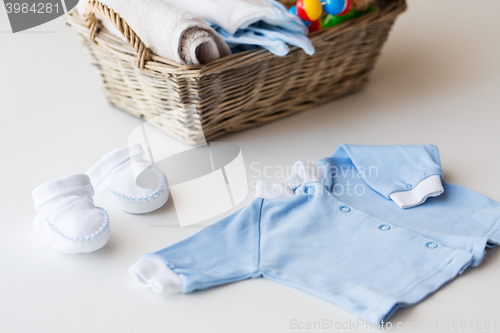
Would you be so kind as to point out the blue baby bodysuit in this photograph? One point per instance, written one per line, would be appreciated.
(368, 229)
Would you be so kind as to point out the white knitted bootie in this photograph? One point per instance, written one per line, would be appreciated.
(67, 218)
(116, 173)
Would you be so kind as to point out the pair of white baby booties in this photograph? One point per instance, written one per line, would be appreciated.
(67, 218)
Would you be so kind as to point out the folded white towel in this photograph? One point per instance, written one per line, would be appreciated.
(232, 15)
(169, 32)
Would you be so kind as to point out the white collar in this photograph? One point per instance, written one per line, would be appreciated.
(302, 172)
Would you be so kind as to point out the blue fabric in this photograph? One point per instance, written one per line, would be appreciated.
(458, 212)
(273, 38)
(270, 36)
(281, 14)
(399, 167)
(359, 251)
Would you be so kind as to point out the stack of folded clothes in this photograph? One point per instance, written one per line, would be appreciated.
(248, 24)
(201, 31)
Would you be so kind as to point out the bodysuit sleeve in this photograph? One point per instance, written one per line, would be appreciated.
(407, 174)
(224, 252)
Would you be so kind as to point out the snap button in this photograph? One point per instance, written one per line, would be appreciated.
(385, 227)
(345, 209)
(432, 245)
(310, 189)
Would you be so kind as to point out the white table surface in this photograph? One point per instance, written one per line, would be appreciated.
(438, 81)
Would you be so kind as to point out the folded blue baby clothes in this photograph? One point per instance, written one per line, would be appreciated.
(274, 39)
(244, 40)
(247, 24)
(340, 235)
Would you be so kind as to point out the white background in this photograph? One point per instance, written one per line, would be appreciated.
(438, 81)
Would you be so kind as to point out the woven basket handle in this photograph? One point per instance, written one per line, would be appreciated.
(95, 7)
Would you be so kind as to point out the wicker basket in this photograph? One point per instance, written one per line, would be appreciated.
(237, 92)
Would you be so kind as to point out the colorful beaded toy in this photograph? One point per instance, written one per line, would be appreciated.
(338, 11)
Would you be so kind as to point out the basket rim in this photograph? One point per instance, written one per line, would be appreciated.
(165, 65)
